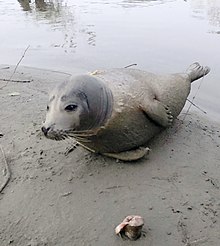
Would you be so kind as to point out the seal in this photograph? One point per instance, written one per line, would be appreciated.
(116, 112)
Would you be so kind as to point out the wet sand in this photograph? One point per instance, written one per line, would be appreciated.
(57, 197)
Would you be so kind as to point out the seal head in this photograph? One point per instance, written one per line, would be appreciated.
(79, 105)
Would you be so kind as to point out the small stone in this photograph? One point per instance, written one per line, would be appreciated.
(53, 172)
(14, 94)
(66, 194)
(70, 178)
(214, 221)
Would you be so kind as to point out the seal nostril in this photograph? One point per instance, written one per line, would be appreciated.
(45, 130)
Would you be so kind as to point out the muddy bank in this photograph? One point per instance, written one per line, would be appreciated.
(59, 198)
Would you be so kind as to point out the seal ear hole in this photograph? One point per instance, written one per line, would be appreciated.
(71, 107)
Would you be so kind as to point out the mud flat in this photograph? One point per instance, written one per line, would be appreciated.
(60, 197)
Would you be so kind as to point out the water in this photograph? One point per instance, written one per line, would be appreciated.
(159, 35)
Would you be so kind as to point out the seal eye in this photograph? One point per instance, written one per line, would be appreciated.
(71, 107)
(48, 108)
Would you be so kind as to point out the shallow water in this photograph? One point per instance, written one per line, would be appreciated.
(160, 36)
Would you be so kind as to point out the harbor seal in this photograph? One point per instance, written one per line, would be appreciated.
(116, 112)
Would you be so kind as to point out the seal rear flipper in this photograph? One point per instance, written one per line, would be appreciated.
(130, 155)
(158, 112)
(196, 71)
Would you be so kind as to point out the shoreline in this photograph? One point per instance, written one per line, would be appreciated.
(55, 198)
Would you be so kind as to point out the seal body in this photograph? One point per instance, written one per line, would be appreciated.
(117, 111)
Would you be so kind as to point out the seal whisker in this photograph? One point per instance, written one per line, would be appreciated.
(80, 132)
(83, 135)
(83, 140)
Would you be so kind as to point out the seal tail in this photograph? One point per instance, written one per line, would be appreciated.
(196, 71)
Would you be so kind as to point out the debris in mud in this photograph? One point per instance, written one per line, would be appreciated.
(16, 80)
(14, 94)
(66, 194)
(6, 171)
(131, 227)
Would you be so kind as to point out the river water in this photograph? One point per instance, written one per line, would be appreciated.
(161, 36)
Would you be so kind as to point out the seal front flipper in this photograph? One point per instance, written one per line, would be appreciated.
(130, 155)
(158, 112)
